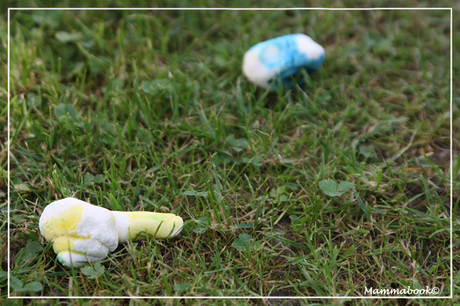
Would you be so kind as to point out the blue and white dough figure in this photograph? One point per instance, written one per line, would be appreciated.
(281, 59)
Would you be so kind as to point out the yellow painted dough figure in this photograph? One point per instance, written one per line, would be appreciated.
(81, 232)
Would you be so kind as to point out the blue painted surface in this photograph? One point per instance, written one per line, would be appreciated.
(288, 59)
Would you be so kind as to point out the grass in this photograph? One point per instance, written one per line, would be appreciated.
(148, 110)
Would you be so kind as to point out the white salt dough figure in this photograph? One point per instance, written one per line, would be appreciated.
(81, 232)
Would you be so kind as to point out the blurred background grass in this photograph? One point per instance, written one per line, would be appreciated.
(148, 110)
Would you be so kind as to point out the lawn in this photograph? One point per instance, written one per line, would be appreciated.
(149, 110)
